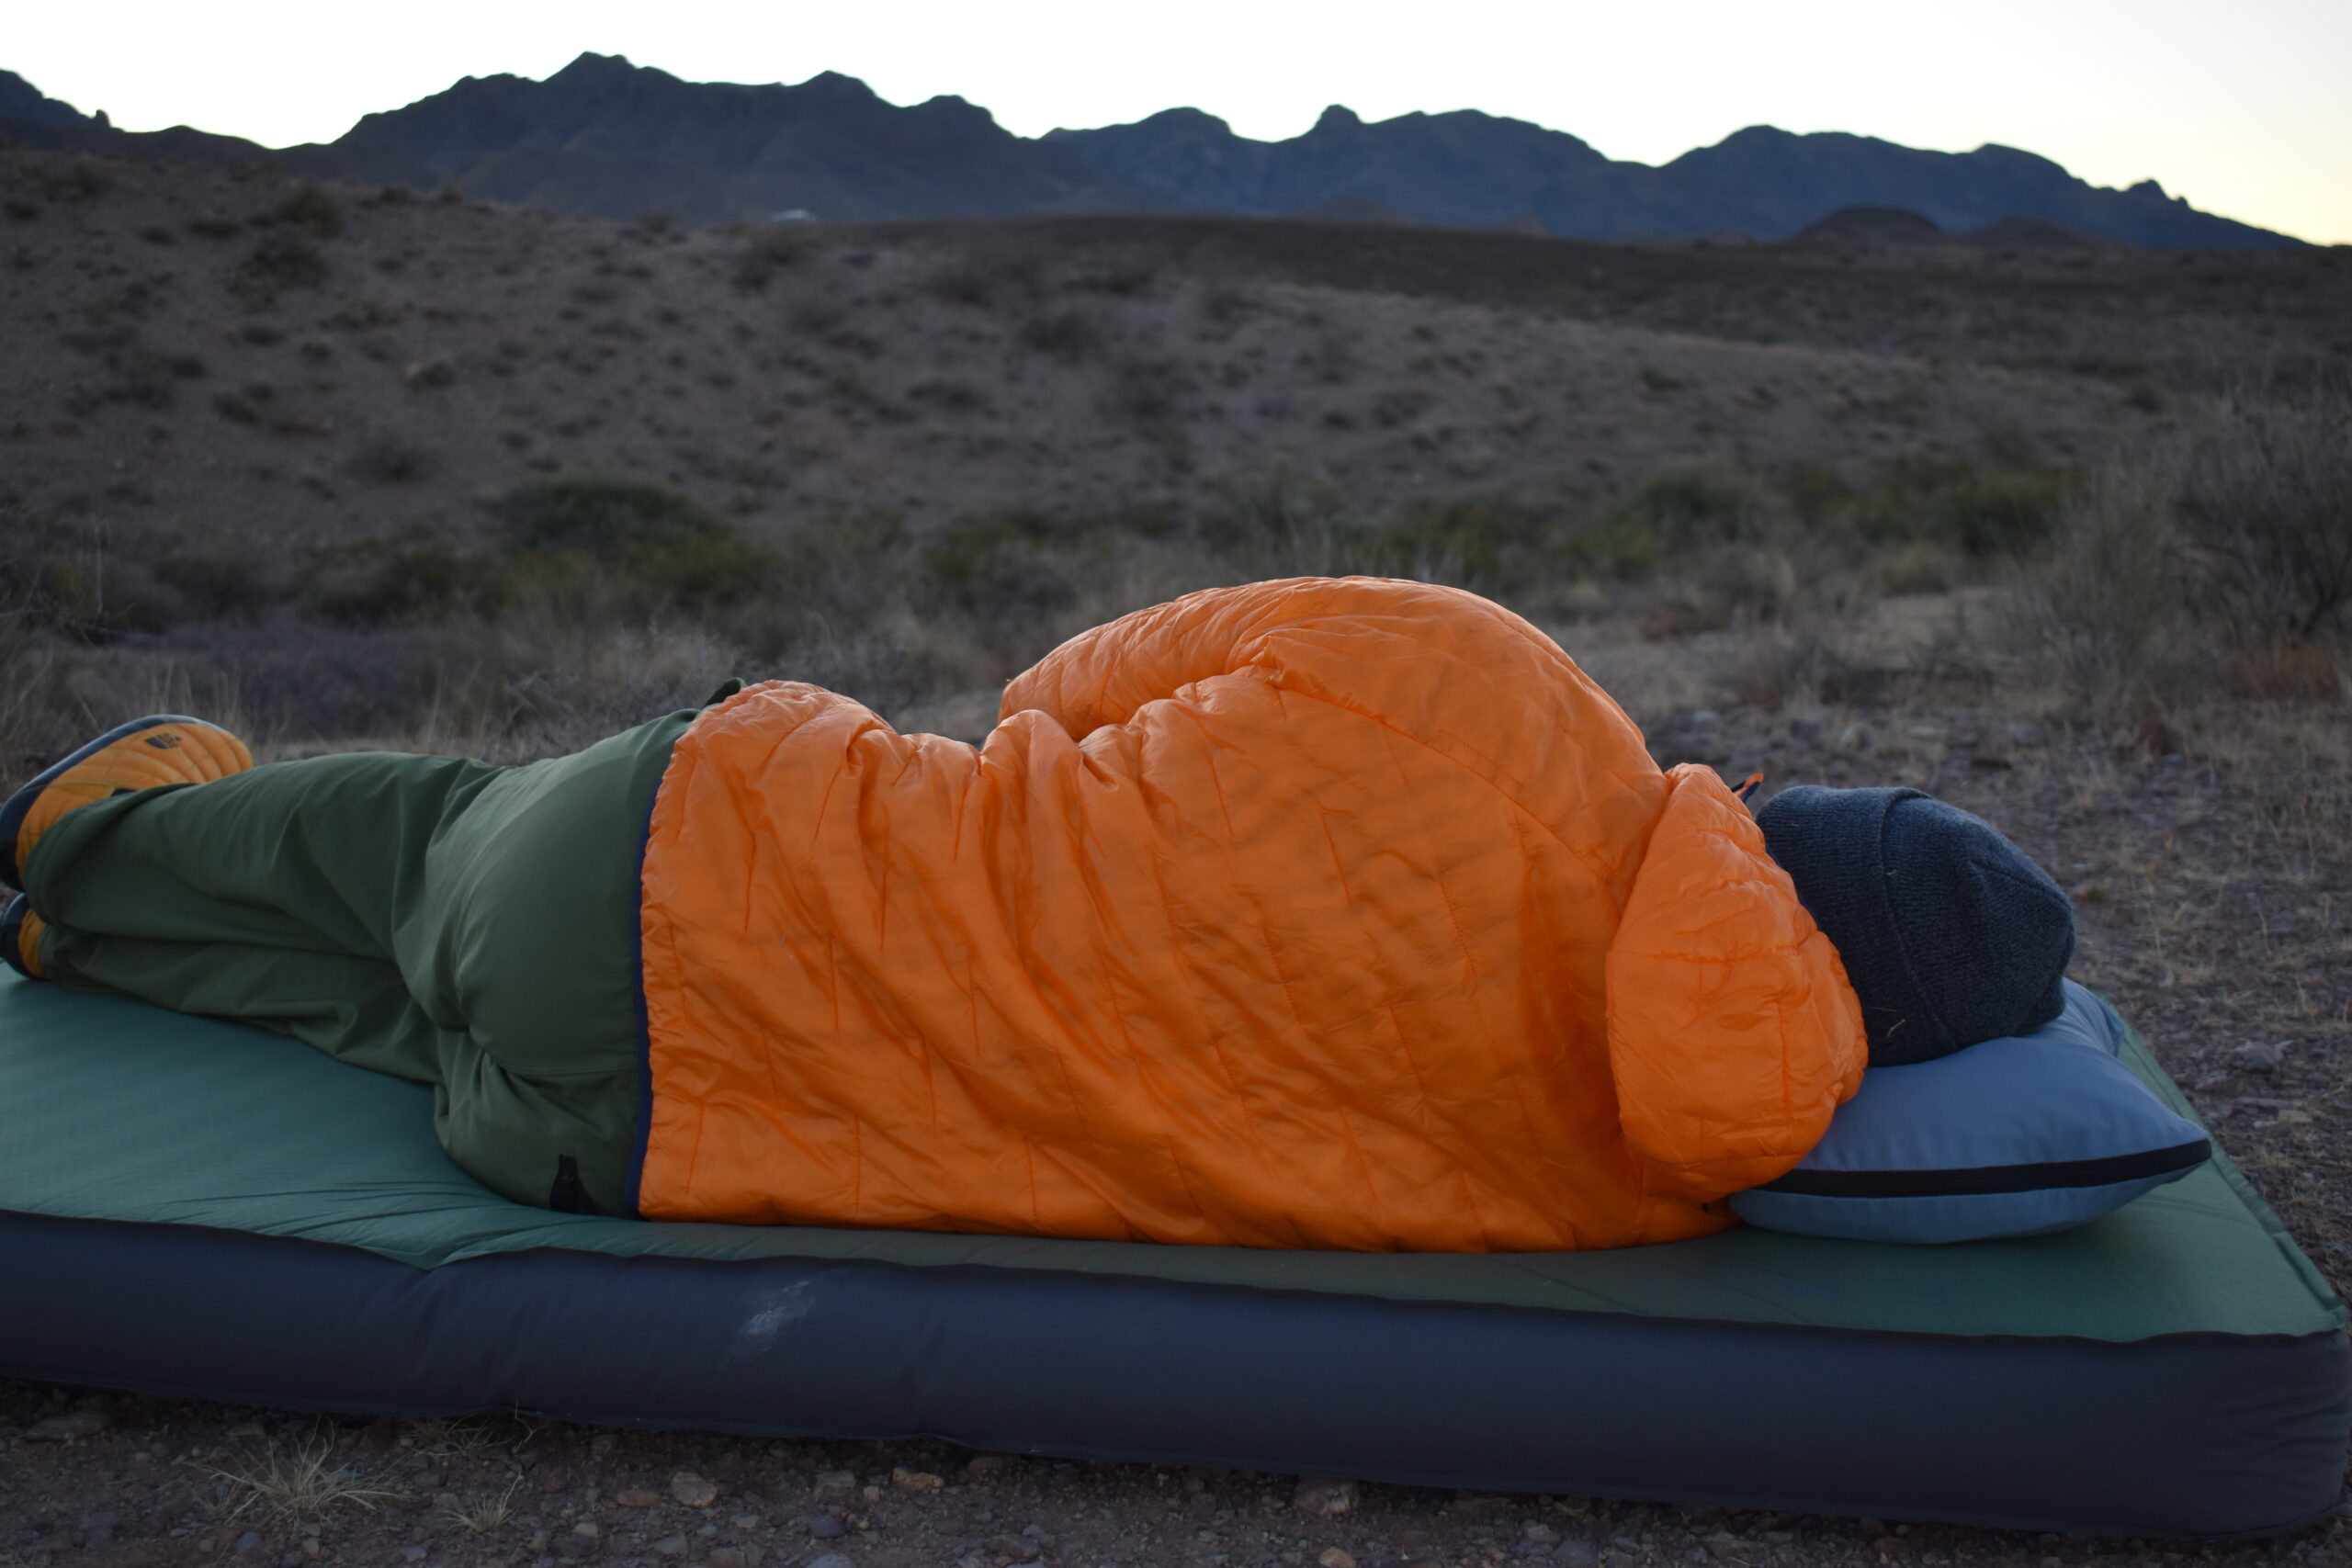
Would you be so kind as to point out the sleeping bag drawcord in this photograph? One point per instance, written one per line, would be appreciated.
(1747, 786)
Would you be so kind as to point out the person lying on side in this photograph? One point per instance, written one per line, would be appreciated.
(1304, 914)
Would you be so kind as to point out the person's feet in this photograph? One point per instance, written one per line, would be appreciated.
(20, 932)
(162, 749)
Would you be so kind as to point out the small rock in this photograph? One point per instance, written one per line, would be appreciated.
(1854, 736)
(726, 1557)
(1006, 1546)
(1326, 1495)
(586, 1529)
(2253, 1057)
(429, 373)
(832, 1560)
(907, 1480)
(1723, 1543)
(746, 1521)
(1332, 1557)
(2025, 732)
(1541, 1534)
(638, 1497)
(411, 1554)
(670, 1546)
(825, 1527)
(836, 1480)
(291, 1559)
(603, 1443)
(1702, 719)
(1576, 1552)
(984, 1465)
(1990, 762)
(249, 1543)
(694, 1491)
(427, 1479)
(66, 1427)
(447, 1502)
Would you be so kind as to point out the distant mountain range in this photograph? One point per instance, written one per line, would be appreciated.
(606, 138)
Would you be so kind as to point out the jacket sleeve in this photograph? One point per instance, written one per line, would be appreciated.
(1733, 1032)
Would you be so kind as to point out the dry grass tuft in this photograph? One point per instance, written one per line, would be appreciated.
(301, 1484)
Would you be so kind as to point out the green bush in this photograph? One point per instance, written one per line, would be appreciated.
(2267, 495)
(416, 576)
(1021, 565)
(279, 263)
(1683, 510)
(647, 542)
(314, 210)
(1982, 512)
(1493, 544)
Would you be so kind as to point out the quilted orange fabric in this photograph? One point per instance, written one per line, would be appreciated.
(1308, 914)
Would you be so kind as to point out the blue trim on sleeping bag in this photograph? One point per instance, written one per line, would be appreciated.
(644, 1130)
(2153, 1437)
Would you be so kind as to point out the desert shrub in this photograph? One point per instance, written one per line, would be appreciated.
(215, 587)
(769, 249)
(1063, 334)
(1681, 509)
(78, 181)
(987, 278)
(642, 542)
(1148, 392)
(997, 568)
(413, 576)
(279, 263)
(1280, 518)
(831, 578)
(2266, 498)
(312, 208)
(1123, 280)
(2104, 608)
(149, 376)
(1980, 509)
(389, 459)
(957, 397)
(1493, 544)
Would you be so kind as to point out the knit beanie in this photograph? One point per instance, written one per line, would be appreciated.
(1950, 934)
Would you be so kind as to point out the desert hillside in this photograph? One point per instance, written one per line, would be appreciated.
(206, 357)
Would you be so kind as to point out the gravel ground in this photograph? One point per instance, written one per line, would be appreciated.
(2215, 887)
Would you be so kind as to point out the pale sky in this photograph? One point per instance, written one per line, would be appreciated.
(2242, 106)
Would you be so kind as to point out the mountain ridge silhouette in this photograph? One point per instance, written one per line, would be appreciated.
(607, 138)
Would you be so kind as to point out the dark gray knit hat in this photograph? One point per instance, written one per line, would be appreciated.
(1949, 933)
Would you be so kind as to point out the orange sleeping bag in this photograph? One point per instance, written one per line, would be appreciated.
(1307, 914)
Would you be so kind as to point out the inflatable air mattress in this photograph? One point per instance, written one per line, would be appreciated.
(201, 1209)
